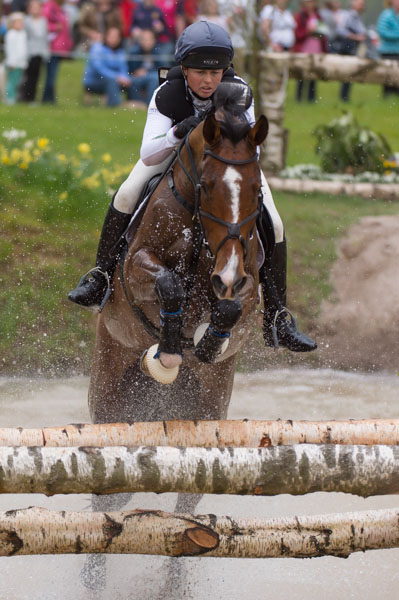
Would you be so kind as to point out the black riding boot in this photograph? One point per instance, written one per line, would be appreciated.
(93, 286)
(279, 326)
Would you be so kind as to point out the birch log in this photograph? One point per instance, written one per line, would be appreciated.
(333, 67)
(298, 469)
(383, 191)
(208, 434)
(40, 531)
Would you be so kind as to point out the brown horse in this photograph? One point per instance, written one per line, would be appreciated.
(193, 260)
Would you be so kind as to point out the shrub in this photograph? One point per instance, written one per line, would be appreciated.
(345, 146)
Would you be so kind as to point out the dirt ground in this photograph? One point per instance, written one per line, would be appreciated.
(360, 322)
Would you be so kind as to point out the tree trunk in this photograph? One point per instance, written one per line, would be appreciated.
(209, 434)
(300, 469)
(40, 531)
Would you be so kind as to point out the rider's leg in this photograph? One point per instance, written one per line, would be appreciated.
(91, 289)
(279, 327)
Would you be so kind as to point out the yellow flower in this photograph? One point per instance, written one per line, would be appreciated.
(63, 196)
(91, 183)
(5, 159)
(106, 157)
(23, 165)
(36, 153)
(61, 157)
(43, 143)
(15, 155)
(84, 148)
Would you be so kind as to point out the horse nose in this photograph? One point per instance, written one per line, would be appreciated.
(228, 290)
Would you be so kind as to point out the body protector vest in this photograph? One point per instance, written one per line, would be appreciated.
(174, 100)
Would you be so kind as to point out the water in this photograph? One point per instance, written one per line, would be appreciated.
(291, 393)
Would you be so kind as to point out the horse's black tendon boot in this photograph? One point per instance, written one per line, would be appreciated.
(279, 325)
(223, 318)
(171, 294)
(94, 285)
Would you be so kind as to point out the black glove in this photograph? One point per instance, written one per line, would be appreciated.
(182, 129)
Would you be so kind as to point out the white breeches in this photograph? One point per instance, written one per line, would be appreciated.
(128, 194)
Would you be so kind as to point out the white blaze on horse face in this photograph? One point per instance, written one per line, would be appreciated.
(232, 178)
(229, 273)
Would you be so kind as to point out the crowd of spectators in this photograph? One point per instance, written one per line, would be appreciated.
(125, 41)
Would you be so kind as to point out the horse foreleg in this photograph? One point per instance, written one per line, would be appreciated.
(224, 316)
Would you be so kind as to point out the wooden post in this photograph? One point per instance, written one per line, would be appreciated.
(208, 434)
(40, 531)
(298, 469)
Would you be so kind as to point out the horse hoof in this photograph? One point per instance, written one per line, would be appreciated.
(199, 334)
(152, 367)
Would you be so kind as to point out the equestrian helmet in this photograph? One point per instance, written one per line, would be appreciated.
(204, 45)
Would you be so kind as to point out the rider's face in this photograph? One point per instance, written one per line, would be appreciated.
(203, 82)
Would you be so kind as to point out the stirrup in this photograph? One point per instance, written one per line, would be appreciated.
(274, 326)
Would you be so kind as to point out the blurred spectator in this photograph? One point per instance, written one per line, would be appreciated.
(18, 6)
(38, 49)
(16, 54)
(72, 10)
(277, 26)
(148, 16)
(351, 32)
(60, 44)
(107, 69)
(388, 30)
(95, 18)
(241, 16)
(310, 39)
(333, 15)
(144, 66)
(127, 8)
(172, 11)
(208, 10)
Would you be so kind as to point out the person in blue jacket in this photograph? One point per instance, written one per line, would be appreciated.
(388, 30)
(107, 69)
(143, 65)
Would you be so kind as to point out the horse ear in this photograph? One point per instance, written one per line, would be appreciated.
(259, 131)
(211, 130)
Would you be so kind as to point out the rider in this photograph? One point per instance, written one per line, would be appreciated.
(204, 53)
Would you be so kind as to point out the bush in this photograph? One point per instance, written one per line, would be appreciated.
(344, 146)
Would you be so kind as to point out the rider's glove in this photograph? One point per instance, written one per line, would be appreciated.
(182, 128)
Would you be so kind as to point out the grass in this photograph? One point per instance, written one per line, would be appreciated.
(45, 244)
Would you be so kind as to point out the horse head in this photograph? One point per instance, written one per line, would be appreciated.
(230, 194)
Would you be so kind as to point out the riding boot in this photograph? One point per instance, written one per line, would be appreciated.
(279, 325)
(93, 286)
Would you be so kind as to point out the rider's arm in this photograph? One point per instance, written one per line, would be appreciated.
(158, 138)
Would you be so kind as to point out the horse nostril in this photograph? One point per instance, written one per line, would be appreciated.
(239, 285)
(219, 287)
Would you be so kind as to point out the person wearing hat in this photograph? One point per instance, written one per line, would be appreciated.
(204, 54)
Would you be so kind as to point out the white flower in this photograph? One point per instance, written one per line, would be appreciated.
(14, 134)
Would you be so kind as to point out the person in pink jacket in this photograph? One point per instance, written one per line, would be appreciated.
(60, 44)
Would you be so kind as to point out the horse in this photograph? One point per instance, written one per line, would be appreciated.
(186, 288)
(207, 204)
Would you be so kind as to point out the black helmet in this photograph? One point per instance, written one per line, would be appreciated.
(204, 45)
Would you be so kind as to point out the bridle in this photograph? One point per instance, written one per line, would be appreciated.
(233, 229)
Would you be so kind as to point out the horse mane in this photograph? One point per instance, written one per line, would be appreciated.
(229, 112)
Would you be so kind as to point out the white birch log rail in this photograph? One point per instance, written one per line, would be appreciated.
(208, 434)
(40, 531)
(299, 469)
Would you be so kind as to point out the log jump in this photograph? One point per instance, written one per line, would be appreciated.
(297, 469)
(208, 434)
(40, 531)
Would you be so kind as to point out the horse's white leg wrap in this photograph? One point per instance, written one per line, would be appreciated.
(128, 194)
(272, 210)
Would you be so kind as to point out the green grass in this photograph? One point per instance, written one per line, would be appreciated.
(45, 244)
